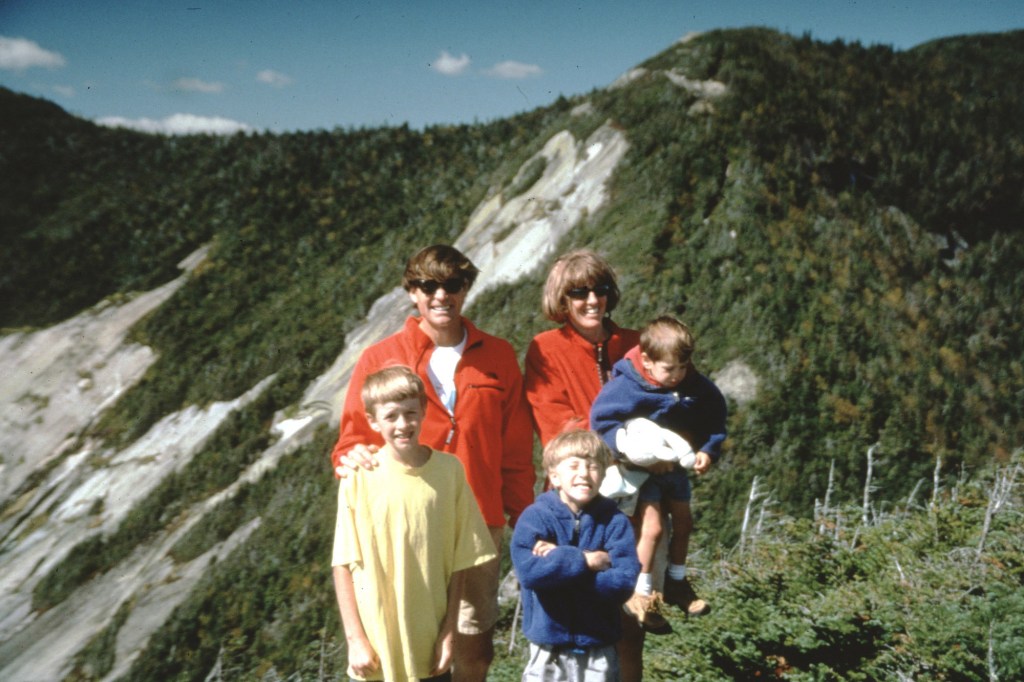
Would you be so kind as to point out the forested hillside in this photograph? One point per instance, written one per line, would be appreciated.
(844, 220)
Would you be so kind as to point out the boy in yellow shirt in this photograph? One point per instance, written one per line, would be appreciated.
(405, 533)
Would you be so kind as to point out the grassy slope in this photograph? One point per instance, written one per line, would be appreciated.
(791, 229)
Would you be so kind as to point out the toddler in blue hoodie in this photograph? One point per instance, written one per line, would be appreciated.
(657, 385)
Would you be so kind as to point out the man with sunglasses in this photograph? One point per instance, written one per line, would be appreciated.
(476, 409)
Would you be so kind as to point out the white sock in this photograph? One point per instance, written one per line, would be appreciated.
(645, 584)
(676, 571)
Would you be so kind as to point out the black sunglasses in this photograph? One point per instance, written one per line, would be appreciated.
(452, 285)
(582, 293)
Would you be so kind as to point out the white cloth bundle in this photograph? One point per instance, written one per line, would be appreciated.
(645, 443)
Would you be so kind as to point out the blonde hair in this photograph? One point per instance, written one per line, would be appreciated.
(391, 385)
(578, 268)
(438, 263)
(578, 443)
(666, 339)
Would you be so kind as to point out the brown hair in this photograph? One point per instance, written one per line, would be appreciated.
(578, 268)
(438, 262)
(391, 385)
(665, 339)
(578, 443)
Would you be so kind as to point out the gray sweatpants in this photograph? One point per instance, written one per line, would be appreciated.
(595, 664)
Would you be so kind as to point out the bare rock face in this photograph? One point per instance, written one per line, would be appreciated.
(57, 381)
(737, 381)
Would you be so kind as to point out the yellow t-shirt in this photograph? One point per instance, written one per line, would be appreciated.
(402, 532)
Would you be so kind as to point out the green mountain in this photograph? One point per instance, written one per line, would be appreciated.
(843, 223)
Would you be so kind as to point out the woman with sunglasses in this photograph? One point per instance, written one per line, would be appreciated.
(475, 410)
(566, 367)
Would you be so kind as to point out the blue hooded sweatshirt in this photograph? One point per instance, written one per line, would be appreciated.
(564, 602)
(695, 409)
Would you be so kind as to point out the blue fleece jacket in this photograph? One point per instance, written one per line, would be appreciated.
(695, 409)
(564, 602)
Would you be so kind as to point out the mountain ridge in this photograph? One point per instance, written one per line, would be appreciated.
(788, 214)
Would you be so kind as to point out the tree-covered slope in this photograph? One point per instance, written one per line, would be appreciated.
(784, 220)
(844, 220)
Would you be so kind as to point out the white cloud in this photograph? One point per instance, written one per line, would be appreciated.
(513, 70)
(450, 66)
(178, 124)
(197, 85)
(64, 90)
(18, 54)
(273, 78)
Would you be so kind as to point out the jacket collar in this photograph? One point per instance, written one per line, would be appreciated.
(633, 357)
(572, 334)
(424, 342)
(553, 502)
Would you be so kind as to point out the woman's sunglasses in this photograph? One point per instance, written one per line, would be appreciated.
(453, 285)
(582, 293)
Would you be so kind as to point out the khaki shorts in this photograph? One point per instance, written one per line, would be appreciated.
(478, 611)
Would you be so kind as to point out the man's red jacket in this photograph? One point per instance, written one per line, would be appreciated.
(490, 431)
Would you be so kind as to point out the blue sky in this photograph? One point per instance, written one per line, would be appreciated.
(304, 65)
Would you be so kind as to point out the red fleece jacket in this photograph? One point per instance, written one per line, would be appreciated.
(563, 378)
(490, 430)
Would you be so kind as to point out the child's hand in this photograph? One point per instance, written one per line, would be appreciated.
(702, 463)
(543, 548)
(443, 652)
(362, 658)
(598, 560)
(360, 456)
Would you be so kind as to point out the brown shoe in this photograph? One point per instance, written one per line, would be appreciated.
(680, 593)
(647, 611)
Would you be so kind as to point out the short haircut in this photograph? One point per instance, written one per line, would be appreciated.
(666, 339)
(578, 268)
(392, 385)
(438, 263)
(576, 443)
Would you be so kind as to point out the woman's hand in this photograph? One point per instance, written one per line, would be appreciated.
(661, 467)
(359, 457)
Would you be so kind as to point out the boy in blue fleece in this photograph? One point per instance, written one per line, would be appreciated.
(657, 381)
(574, 553)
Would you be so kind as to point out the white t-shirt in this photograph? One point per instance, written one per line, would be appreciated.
(441, 370)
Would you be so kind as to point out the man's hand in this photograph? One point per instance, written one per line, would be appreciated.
(359, 457)
(598, 560)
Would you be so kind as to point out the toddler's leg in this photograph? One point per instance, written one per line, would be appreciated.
(678, 590)
(645, 603)
(648, 514)
(682, 526)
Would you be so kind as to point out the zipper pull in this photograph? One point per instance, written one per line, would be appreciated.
(451, 431)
